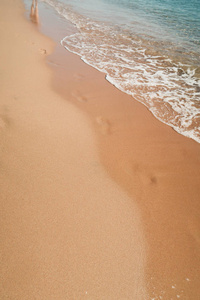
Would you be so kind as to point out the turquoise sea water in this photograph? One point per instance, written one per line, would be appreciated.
(148, 49)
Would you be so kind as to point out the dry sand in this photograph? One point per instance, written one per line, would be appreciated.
(117, 221)
(67, 230)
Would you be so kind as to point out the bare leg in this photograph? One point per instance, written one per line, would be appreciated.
(36, 12)
(32, 9)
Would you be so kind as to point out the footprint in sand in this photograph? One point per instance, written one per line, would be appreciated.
(104, 125)
(144, 175)
(4, 119)
(148, 179)
(77, 95)
(2, 123)
(153, 179)
(43, 51)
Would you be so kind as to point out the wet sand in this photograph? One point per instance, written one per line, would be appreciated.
(99, 199)
(157, 167)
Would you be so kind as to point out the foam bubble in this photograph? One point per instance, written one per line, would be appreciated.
(169, 89)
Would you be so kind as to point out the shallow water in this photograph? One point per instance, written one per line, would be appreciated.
(148, 49)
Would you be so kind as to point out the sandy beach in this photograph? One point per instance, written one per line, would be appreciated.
(99, 200)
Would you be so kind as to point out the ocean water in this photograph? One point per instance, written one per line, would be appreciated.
(147, 49)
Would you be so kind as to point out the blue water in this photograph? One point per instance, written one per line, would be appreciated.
(148, 49)
(175, 21)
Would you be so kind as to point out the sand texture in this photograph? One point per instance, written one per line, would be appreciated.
(99, 200)
(67, 230)
(157, 167)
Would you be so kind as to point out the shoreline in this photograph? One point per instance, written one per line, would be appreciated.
(158, 168)
(142, 216)
(155, 165)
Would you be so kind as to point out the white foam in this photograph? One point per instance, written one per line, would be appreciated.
(152, 80)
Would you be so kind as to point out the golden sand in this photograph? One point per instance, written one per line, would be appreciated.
(68, 231)
(99, 200)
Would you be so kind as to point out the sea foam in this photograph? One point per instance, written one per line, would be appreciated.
(169, 88)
